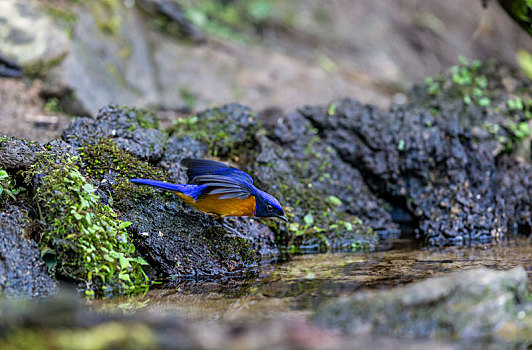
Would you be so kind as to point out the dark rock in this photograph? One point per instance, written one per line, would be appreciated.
(514, 190)
(434, 159)
(177, 149)
(23, 274)
(9, 68)
(468, 304)
(416, 161)
(295, 164)
(133, 130)
(17, 154)
(179, 241)
(292, 163)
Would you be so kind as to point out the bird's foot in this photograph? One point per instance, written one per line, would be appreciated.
(228, 227)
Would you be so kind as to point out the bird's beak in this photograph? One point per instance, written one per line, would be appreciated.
(283, 218)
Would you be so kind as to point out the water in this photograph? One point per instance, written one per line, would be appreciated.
(296, 287)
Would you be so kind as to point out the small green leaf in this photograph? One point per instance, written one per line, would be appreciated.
(401, 145)
(124, 224)
(332, 108)
(484, 102)
(334, 200)
(124, 263)
(309, 219)
(88, 188)
(348, 226)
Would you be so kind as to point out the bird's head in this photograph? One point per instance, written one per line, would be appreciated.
(268, 206)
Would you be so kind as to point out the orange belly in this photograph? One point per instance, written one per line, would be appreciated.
(212, 204)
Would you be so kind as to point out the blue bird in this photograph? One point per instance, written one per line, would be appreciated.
(220, 190)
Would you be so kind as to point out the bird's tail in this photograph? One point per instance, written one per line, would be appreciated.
(161, 184)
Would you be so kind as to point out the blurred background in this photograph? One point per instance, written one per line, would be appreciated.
(179, 56)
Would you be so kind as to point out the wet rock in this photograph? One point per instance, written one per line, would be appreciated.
(416, 162)
(23, 274)
(429, 157)
(177, 149)
(468, 304)
(310, 178)
(16, 154)
(514, 188)
(134, 130)
(181, 242)
(30, 38)
(291, 162)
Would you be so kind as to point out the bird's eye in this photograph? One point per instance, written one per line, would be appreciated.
(269, 207)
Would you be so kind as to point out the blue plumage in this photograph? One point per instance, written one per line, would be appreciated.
(193, 191)
(211, 179)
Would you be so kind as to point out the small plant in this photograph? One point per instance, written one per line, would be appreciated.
(188, 97)
(7, 187)
(91, 245)
(466, 81)
(52, 105)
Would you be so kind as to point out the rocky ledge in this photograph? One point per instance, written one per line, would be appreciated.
(450, 166)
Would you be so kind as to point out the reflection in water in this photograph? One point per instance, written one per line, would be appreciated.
(298, 286)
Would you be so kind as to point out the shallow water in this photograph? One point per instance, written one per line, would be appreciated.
(296, 287)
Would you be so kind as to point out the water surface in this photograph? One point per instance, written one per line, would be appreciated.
(296, 287)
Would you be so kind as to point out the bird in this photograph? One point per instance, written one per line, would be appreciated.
(220, 190)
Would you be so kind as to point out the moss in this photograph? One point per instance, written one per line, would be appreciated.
(317, 221)
(39, 69)
(65, 17)
(214, 128)
(145, 118)
(104, 156)
(92, 246)
(107, 14)
(8, 188)
(109, 335)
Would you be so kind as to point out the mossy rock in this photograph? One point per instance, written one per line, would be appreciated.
(89, 242)
(301, 172)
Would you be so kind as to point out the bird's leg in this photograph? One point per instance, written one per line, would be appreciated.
(223, 221)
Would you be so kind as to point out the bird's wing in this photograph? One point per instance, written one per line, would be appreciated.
(201, 167)
(228, 187)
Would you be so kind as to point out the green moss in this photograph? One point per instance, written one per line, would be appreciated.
(8, 189)
(146, 119)
(108, 15)
(66, 18)
(39, 69)
(92, 246)
(104, 156)
(109, 335)
(317, 222)
(215, 130)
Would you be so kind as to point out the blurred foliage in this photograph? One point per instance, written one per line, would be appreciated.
(520, 11)
(229, 19)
